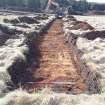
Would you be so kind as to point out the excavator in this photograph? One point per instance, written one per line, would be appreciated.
(58, 10)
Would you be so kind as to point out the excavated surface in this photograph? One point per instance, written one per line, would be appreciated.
(57, 69)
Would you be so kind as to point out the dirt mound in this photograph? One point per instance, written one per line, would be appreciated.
(29, 20)
(94, 34)
(70, 17)
(23, 19)
(13, 21)
(8, 29)
(41, 17)
(81, 25)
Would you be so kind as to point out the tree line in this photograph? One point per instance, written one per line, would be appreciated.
(82, 5)
(31, 5)
(38, 5)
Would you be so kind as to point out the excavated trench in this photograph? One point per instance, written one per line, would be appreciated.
(53, 64)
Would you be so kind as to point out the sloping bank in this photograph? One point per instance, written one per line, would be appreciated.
(88, 48)
(74, 31)
(17, 34)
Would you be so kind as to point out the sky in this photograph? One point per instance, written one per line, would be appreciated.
(99, 1)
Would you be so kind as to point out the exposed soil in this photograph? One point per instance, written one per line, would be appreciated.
(57, 69)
